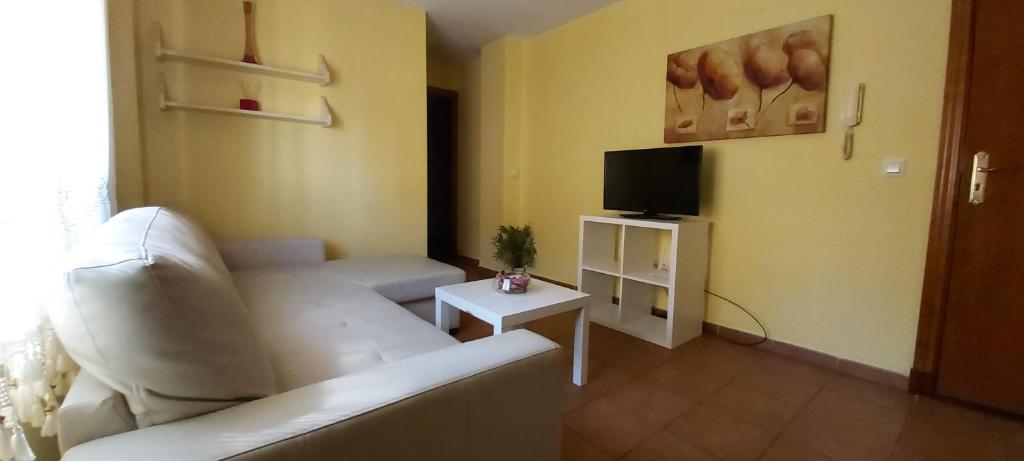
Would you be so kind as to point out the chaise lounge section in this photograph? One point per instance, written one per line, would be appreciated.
(357, 376)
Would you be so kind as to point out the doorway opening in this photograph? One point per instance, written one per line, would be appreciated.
(442, 155)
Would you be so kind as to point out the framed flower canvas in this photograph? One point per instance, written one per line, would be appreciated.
(768, 83)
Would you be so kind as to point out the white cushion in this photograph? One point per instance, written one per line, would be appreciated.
(317, 326)
(400, 278)
(152, 312)
(91, 410)
(254, 254)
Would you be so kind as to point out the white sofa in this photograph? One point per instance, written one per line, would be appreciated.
(408, 280)
(357, 376)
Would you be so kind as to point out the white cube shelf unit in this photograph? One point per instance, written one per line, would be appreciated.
(632, 265)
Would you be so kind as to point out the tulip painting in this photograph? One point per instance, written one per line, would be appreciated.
(768, 83)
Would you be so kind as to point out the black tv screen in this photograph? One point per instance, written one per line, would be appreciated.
(653, 181)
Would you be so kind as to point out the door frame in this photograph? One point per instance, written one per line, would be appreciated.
(453, 96)
(941, 235)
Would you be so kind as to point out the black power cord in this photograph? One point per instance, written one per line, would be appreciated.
(734, 303)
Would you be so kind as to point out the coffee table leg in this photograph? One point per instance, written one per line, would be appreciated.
(441, 311)
(580, 348)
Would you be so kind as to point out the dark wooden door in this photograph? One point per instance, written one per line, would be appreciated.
(981, 359)
(442, 117)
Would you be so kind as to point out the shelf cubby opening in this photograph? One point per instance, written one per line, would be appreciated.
(636, 307)
(601, 250)
(647, 255)
(604, 292)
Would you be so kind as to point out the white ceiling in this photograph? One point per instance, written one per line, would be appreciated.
(459, 28)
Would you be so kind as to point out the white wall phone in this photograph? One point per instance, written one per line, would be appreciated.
(853, 107)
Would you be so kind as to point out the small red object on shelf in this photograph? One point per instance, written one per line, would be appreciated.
(248, 104)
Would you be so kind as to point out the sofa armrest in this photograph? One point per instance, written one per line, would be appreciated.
(498, 398)
(254, 254)
(91, 410)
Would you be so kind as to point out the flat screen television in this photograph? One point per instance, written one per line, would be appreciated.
(653, 181)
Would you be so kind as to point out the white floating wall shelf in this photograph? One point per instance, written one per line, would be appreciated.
(322, 76)
(324, 120)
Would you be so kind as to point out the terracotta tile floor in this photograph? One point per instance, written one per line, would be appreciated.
(710, 399)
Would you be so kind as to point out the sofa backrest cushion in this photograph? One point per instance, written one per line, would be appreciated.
(151, 310)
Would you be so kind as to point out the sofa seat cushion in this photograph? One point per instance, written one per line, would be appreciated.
(151, 311)
(317, 325)
(400, 278)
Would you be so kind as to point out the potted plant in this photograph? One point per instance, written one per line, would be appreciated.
(514, 246)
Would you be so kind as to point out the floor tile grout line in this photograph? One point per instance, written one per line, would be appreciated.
(584, 439)
(605, 394)
(633, 379)
(903, 428)
(691, 407)
(802, 409)
(831, 384)
(663, 427)
(753, 364)
(832, 372)
(795, 416)
(865, 400)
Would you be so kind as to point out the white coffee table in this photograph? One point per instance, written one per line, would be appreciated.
(507, 311)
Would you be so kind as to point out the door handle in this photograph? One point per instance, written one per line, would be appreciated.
(979, 176)
(992, 170)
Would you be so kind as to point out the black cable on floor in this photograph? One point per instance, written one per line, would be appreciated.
(764, 331)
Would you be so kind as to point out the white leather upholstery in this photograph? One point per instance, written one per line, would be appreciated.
(316, 325)
(254, 254)
(152, 311)
(366, 379)
(492, 399)
(400, 278)
(90, 411)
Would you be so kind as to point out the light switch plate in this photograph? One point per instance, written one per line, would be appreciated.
(894, 167)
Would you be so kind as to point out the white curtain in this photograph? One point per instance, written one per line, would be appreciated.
(55, 160)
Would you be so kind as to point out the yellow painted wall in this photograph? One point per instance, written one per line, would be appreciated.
(490, 141)
(514, 93)
(501, 140)
(492, 145)
(360, 185)
(827, 252)
(127, 142)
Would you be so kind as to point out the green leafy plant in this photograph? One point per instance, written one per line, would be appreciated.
(514, 246)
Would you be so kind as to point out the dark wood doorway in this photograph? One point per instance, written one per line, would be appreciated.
(442, 154)
(971, 332)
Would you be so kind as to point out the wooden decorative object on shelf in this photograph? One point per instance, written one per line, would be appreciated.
(322, 75)
(249, 55)
(248, 106)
